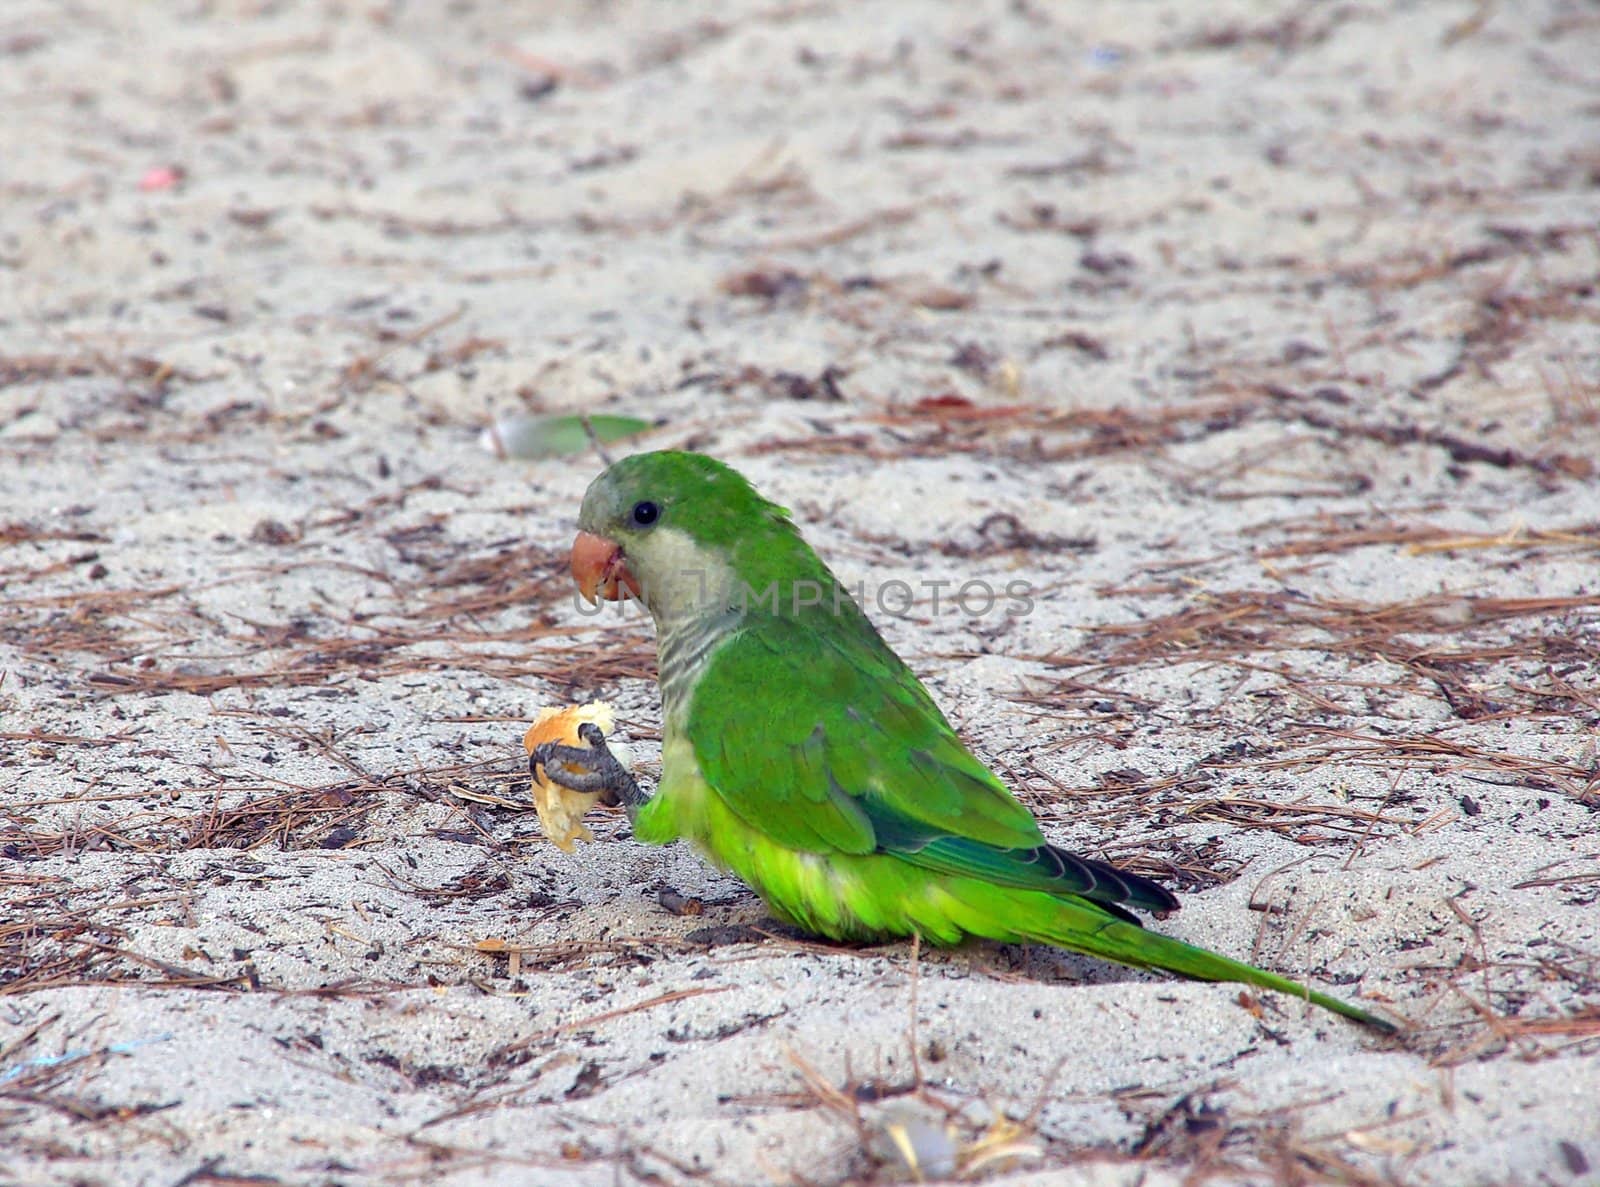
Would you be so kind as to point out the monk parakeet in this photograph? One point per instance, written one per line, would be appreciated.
(800, 753)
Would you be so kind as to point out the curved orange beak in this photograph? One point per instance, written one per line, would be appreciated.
(600, 570)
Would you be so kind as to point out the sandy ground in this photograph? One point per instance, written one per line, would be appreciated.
(1260, 340)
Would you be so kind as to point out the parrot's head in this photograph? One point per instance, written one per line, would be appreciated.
(679, 531)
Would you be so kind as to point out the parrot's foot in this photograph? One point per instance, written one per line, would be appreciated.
(597, 769)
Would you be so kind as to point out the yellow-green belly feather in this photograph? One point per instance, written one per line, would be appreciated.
(838, 895)
(881, 896)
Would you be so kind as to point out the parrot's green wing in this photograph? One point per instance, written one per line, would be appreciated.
(814, 732)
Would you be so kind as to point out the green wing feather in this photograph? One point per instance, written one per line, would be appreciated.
(844, 751)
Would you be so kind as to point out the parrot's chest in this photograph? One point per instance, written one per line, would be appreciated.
(683, 794)
(815, 891)
(684, 649)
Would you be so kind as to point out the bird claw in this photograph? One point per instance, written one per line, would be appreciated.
(598, 770)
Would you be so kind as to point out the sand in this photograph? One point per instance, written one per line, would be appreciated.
(1260, 341)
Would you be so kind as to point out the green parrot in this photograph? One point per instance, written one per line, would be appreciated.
(801, 754)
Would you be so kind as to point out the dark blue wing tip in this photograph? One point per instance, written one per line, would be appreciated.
(1106, 884)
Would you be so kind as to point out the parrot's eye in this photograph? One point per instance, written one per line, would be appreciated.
(645, 514)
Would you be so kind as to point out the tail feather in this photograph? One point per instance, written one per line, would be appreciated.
(1084, 927)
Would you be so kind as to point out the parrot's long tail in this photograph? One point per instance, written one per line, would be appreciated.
(1083, 927)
